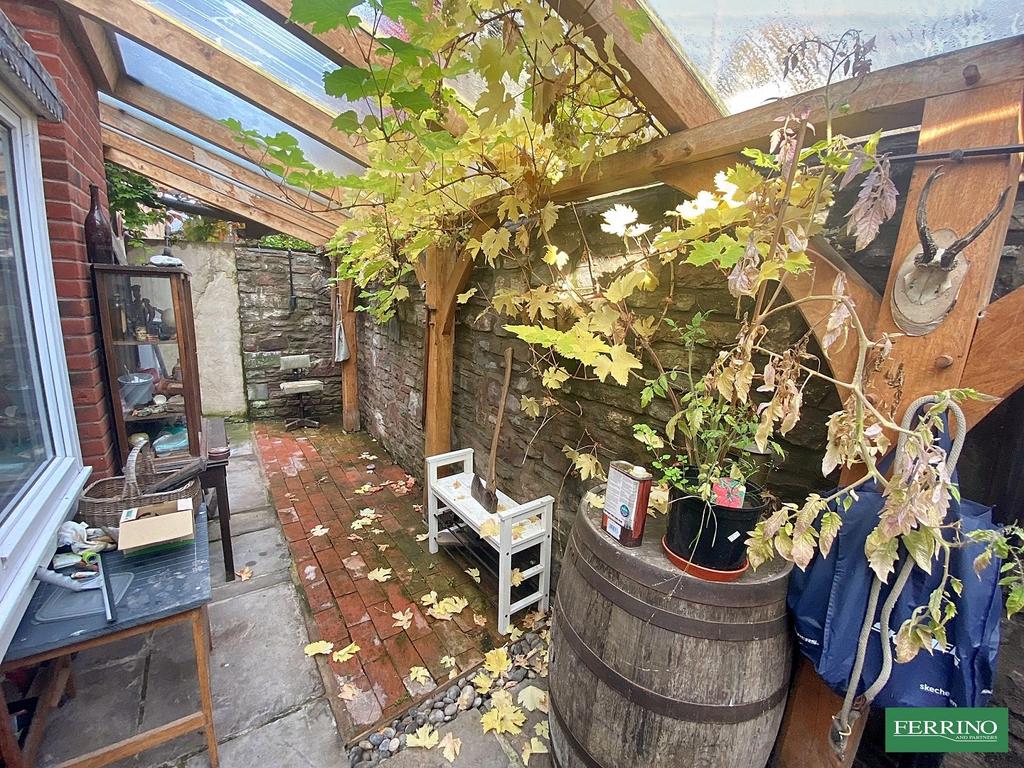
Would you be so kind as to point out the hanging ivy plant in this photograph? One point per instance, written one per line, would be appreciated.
(135, 197)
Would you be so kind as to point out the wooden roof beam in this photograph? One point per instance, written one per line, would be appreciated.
(119, 120)
(659, 73)
(164, 35)
(101, 56)
(180, 175)
(342, 46)
(891, 98)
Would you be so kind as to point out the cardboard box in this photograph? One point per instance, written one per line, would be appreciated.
(156, 526)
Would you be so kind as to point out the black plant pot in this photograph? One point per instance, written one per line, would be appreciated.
(710, 535)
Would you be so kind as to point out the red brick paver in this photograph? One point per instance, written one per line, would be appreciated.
(314, 476)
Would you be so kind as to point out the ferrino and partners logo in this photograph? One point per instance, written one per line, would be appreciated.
(946, 729)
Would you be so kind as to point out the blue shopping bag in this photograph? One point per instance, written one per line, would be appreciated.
(829, 600)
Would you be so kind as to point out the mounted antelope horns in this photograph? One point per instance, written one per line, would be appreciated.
(930, 251)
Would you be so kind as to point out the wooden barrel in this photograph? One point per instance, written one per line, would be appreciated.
(653, 668)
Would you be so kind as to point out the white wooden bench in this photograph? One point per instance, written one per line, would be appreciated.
(519, 526)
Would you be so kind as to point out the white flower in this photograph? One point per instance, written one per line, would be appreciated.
(618, 218)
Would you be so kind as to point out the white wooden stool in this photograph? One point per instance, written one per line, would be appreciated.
(520, 526)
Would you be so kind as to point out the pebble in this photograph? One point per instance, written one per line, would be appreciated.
(375, 739)
(421, 719)
(519, 674)
(438, 705)
(450, 710)
(389, 732)
(477, 702)
(436, 716)
(383, 746)
(394, 745)
(365, 745)
(401, 741)
(466, 697)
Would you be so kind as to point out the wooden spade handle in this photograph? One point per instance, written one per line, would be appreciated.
(491, 471)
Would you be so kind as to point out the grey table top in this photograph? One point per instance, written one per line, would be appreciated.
(165, 584)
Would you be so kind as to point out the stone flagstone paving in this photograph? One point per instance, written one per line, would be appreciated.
(317, 478)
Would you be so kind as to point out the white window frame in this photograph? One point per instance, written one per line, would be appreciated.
(28, 533)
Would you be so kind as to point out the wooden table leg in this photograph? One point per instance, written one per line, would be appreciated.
(201, 643)
(9, 749)
(224, 518)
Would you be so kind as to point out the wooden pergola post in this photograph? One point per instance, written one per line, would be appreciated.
(350, 367)
(980, 117)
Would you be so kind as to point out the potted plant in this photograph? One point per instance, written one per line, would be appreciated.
(707, 458)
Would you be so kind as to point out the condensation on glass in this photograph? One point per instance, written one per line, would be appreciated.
(25, 443)
(738, 45)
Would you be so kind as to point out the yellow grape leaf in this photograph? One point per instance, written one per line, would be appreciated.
(379, 574)
(504, 716)
(382, 547)
(530, 406)
(533, 747)
(497, 661)
(619, 363)
(422, 536)
(348, 692)
(462, 298)
(490, 527)
(320, 646)
(508, 302)
(548, 216)
(482, 682)
(623, 287)
(425, 737)
(596, 500)
(555, 257)
(402, 619)
(429, 599)
(319, 530)
(517, 577)
(245, 574)
(448, 662)
(514, 634)
(554, 377)
(533, 698)
(541, 729)
(479, 620)
(419, 675)
(474, 574)
(345, 653)
(494, 242)
(451, 747)
(587, 464)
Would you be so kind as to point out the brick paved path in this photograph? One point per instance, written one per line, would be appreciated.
(313, 477)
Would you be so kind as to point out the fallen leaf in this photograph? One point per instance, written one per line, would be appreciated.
(245, 574)
(451, 746)
(318, 647)
(429, 599)
(354, 537)
(383, 547)
(379, 574)
(422, 536)
(533, 747)
(425, 737)
(479, 620)
(345, 653)
(417, 508)
(497, 661)
(448, 662)
(503, 716)
(515, 634)
(419, 675)
(319, 530)
(482, 682)
(490, 527)
(541, 729)
(474, 574)
(402, 619)
(533, 698)
(368, 512)
(517, 577)
(348, 692)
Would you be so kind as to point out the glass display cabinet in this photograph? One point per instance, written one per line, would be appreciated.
(149, 341)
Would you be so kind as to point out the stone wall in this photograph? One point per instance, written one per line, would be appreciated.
(270, 328)
(529, 464)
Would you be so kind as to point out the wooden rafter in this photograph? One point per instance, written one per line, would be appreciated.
(659, 73)
(181, 176)
(101, 56)
(995, 364)
(342, 46)
(120, 121)
(160, 33)
(892, 97)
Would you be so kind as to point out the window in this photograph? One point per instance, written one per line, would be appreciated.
(41, 469)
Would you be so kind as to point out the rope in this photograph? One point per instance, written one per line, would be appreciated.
(841, 722)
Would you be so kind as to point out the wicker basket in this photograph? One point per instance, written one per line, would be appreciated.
(102, 502)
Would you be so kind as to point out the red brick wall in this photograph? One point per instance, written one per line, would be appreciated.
(72, 155)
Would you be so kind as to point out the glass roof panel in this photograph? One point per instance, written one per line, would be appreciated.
(176, 82)
(738, 45)
(251, 36)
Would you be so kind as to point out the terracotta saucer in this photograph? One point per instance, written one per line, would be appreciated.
(699, 571)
